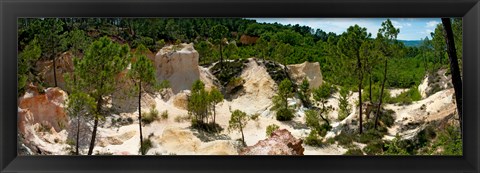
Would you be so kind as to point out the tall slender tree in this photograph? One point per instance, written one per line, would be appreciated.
(349, 46)
(50, 36)
(452, 56)
(219, 33)
(386, 39)
(96, 72)
(142, 73)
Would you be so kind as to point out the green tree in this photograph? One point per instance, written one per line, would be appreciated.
(304, 93)
(349, 46)
(261, 47)
(214, 97)
(142, 73)
(280, 102)
(230, 51)
(386, 39)
(50, 36)
(204, 51)
(321, 95)
(76, 41)
(26, 61)
(439, 46)
(219, 34)
(238, 121)
(79, 104)
(198, 102)
(343, 105)
(96, 73)
(282, 54)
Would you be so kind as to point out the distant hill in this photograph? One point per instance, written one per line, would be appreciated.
(411, 43)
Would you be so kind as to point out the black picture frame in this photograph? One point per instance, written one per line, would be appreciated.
(12, 9)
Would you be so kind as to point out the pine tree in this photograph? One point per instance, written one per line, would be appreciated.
(142, 73)
(96, 73)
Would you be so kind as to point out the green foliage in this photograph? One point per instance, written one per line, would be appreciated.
(449, 141)
(234, 69)
(369, 136)
(164, 115)
(407, 97)
(26, 61)
(345, 139)
(280, 102)
(374, 148)
(270, 129)
(393, 147)
(323, 92)
(343, 105)
(146, 145)
(148, 118)
(238, 121)
(304, 93)
(197, 102)
(354, 151)
(313, 139)
(376, 89)
(76, 41)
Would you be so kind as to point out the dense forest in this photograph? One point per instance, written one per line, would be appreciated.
(354, 61)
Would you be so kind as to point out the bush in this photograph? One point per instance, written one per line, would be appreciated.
(343, 105)
(150, 117)
(206, 127)
(374, 148)
(323, 129)
(230, 70)
(394, 147)
(164, 115)
(376, 89)
(284, 114)
(344, 139)
(146, 145)
(270, 129)
(407, 97)
(370, 136)
(313, 139)
(255, 117)
(354, 151)
(450, 140)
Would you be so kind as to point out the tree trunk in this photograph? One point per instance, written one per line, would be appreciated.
(95, 125)
(243, 137)
(321, 114)
(454, 69)
(78, 135)
(221, 56)
(360, 93)
(140, 116)
(381, 94)
(370, 92)
(214, 114)
(54, 71)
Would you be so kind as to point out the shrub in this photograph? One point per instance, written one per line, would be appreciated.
(255, 117)
(354, 151)
(146, 145)
(323, 129)
(344, 139)
(370, 136)
(164, 114)
(450, 140)
(374, 148)
(407, 97)
(344, 107)
(313, 139)
(270, 129)
(393, 147)
(150, 117)
(284, 114)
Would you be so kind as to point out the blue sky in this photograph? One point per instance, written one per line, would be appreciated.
(410, 28)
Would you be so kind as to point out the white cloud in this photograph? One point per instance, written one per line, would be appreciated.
(432, 24)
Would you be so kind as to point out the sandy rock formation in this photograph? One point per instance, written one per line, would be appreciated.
(179, 67)
(46, 109)
(310, 71)
(64, 64)
(281, 142)
(181, 100)
(434, 83)
(179, 141)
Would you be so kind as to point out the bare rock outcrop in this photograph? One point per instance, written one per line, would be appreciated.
(181, 100)
(179, 65)
(46, 109)
(309, 70)
(280, 142)
(435, 82)
(63, 63)
(246, 39)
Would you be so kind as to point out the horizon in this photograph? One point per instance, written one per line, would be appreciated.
(411, 29)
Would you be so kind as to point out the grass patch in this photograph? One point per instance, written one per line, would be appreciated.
(146, 145)
(270, 129)
(148, 118)
(407, 97)
(164, 115)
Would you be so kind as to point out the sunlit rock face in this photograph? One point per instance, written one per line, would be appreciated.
(47, 109)
(280, 142)
(179, 65)
(307, 70)
(63, 63)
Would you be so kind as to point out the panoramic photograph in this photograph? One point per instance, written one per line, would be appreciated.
(239, 86)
